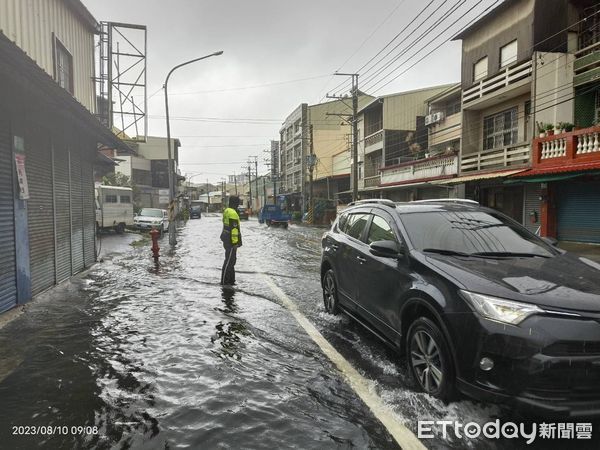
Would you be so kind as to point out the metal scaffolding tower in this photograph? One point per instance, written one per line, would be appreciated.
(122, 94)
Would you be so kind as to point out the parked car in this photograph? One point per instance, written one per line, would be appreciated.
(273, 215)
(196, 212)
(114, 208)
(242, 212)
(477, 303)
(149, 218)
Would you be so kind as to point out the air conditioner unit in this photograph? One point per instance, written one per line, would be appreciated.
(434, 118)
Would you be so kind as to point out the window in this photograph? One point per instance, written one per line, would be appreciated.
(480, 69)
(508, 54)
(500, 130)
(160, 173)
(63, 66)
(452, 107)
(124, 199)
(355, 225)
(380, 231)
(110, 199)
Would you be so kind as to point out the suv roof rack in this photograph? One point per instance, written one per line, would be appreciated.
(380, 201)
(447, 200)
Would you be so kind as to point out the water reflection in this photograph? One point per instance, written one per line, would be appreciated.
(229, 333)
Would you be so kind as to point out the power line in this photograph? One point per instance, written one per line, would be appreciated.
(336, 89)
(445, 16)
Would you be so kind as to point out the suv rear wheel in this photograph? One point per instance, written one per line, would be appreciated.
(429, 359)
(330, 298)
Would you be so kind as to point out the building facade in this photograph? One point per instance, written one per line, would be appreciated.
(49, 138)
(394, 158)
(516, 76)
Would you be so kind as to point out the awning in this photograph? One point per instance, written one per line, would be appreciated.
(557, 173)
(479, 176)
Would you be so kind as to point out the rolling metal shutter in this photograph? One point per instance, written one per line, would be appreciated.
(8, 270)
(40, 211)
(89, 212)
(77, 260)
(62, 213)
(579, 211)
(532, 203)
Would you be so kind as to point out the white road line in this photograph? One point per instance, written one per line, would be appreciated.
(403, 436)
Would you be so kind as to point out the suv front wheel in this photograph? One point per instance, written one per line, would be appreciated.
(429, 359)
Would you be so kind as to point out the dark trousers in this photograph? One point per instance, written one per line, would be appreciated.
(228, 271)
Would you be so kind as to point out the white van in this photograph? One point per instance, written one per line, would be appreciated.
(114, 208)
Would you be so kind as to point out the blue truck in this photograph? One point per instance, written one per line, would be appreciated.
(273, 215)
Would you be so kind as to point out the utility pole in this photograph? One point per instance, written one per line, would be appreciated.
(235, 181)
(250, 185)
(223, 193)
(207, 196)
(311, 165)
(354, 122)
(256, 174)
(264, 191)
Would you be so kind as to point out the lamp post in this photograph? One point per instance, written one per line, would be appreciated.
(172, 237)
(189, 180)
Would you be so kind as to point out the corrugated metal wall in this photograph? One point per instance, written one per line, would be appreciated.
(77, 260)
(579, 211)
(30, 24)
(40, 210)
(89, 212)
(532, 203)
(8, 275)
(62, 216)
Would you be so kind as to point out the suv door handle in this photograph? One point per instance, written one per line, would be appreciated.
(361, 259)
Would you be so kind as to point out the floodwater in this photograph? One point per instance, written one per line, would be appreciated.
(149, 356)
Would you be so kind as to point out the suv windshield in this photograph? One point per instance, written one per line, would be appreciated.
(471, 232)
(148, 212)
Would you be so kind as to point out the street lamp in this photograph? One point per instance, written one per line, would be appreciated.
(172, 238)
(189, 180)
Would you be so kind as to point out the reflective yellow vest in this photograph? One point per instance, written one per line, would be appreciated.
(231, 227)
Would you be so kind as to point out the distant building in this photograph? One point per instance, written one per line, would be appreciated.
(148, 169)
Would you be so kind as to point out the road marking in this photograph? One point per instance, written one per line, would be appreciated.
(403, 436)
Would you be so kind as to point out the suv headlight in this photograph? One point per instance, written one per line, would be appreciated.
(498, 309)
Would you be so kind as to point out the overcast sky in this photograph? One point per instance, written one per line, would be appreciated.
(292, 47)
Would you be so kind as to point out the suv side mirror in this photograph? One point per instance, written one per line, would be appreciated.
(386, 249)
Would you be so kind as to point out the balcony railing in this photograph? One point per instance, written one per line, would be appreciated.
(374, 141)
(587, 65)
(506, 77)
(372, 181)
(513, 156)
(423, 169)
(568, 148)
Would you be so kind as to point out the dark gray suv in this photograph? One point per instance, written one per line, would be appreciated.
(477, 303)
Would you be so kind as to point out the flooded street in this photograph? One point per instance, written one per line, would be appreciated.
(163, 357)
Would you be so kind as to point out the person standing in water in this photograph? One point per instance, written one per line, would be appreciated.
(232, 239)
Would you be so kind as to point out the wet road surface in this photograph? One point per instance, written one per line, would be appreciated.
(163, 357)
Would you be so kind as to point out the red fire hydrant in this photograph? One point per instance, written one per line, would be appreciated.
(154, 234)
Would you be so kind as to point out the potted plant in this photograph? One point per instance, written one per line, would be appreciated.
(560, 127)
(541, 129)
(549, 129)
(567, 126)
